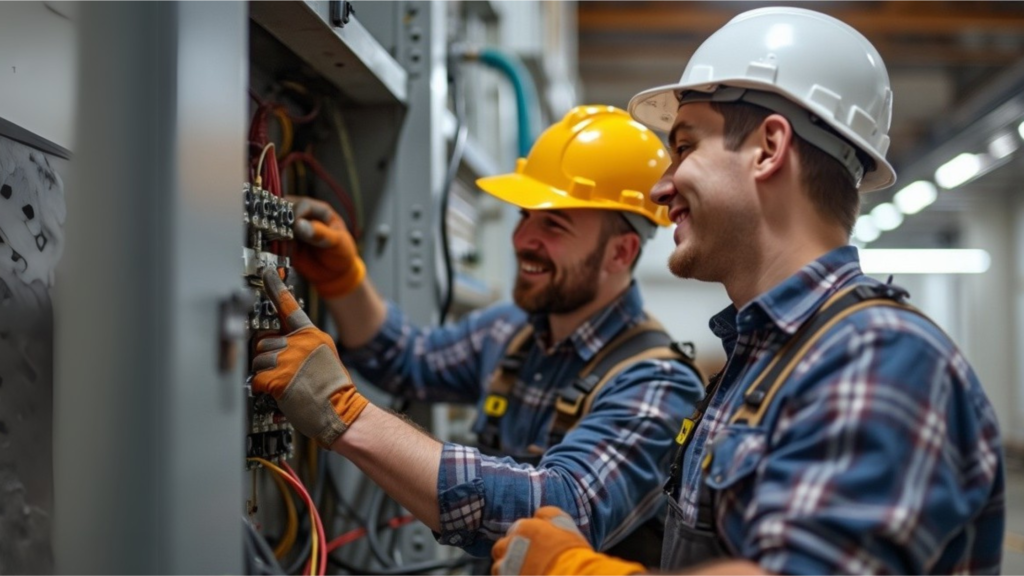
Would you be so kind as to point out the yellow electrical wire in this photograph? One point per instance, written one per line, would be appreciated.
(312, 514)
(259, 166)
(287, 132)
(292, 529)
(293, 85)
(350, 162)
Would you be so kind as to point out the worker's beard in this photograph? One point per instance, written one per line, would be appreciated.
(564, 290)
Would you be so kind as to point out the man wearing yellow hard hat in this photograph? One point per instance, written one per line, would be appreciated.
(579, 391)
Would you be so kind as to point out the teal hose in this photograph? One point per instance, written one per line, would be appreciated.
(526, 92)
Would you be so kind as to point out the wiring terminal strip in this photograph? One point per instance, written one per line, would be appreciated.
(270, 215)
(269, 220)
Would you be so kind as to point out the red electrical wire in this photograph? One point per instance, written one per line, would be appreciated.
(308, 117)
(353, 535)
(256, 97)
(322, 561)
(339, 192)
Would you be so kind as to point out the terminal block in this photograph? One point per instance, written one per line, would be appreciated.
(268, 214)
(269, 434)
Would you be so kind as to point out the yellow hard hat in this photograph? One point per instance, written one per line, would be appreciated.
(596, 157)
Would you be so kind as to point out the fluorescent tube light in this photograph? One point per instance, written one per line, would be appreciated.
(1003, 145)
(915, 196)
(865, 230)
(958, 170)
(924, 261)
(886, 217)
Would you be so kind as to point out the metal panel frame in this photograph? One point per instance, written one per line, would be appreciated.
(419, 174)
(350, 57)
(148, 430)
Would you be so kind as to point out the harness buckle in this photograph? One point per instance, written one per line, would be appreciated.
(570, 400)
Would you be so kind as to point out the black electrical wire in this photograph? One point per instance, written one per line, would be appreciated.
(260, 555)
(372, 521)
(341, 502)
(458, 150)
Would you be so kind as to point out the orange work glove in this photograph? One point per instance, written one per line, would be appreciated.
(302, 371)
(327, 255)
(550, 543)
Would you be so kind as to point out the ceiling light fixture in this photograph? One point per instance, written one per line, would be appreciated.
(865, 231)
(886, 217)
(958, 170)
(924, 261)
(915, 196)
(1003, 145)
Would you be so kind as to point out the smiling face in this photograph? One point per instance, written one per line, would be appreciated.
(560, 255)
(710, 196)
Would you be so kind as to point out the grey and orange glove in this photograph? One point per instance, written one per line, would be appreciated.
(550, 543)
(327, 255)
(302, 371)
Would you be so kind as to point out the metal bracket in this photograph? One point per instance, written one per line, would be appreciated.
(341, 13)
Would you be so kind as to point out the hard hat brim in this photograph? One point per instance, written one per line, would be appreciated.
(656, 108)
(526, 192)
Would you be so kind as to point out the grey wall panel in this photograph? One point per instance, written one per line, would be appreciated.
(32, 214)
(148, 430)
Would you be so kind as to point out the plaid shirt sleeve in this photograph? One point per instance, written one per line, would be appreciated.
(885, 458)
(443, 364)
(606, 473)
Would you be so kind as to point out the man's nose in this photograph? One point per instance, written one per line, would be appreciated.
(524, 236)
(663, 190)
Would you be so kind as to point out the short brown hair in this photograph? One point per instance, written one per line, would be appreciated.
(830, 186)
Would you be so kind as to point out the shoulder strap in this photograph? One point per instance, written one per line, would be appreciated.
(500, 383)
(646, 340)
(759, 395)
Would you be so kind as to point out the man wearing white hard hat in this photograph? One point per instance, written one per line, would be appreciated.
(847, 433)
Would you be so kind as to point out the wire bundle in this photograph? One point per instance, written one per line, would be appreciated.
(318, 554)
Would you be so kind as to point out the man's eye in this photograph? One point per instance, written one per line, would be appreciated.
(681, 149)
(554, 224)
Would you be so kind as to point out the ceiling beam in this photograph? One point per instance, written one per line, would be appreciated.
(613, 53)
(701, 18)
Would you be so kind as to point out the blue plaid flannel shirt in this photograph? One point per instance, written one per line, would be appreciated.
(880, 454)
(606, 473)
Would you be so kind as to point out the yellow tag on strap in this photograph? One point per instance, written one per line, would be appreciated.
(684, 431)
(495, 405)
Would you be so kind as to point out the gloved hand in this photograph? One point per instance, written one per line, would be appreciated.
(327, 255)
(550, 543)
(302, 371)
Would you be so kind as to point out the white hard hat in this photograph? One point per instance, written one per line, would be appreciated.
(792, 61)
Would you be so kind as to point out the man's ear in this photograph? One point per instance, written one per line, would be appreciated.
(621, 251)
(775, 139)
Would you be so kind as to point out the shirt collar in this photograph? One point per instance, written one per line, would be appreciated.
(596, 331)
(788, 305)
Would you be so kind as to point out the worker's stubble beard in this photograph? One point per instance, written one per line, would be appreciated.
(568, 289)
